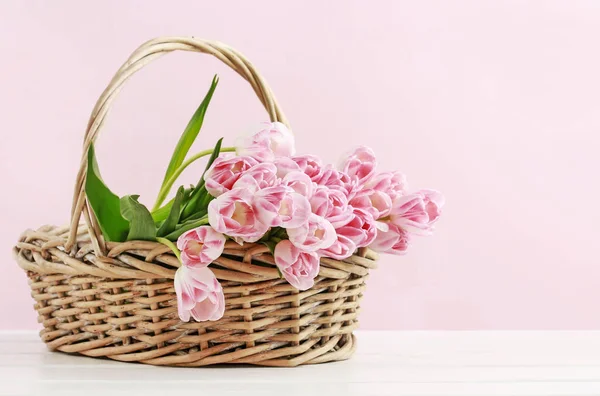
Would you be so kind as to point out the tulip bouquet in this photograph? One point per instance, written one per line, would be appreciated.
(260, 191)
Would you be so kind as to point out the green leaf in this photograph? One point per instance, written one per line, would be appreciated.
(198, 197)
(173, 218)
(213, 157)
(162, 213)
(186, 227)
(141, 224)
(206, 198)
(190, 133)
(195, 216)
(104, 203)
(193, 205)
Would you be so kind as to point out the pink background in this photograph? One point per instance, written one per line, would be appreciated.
(495, 103)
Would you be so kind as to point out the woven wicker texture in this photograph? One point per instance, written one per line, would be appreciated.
(117, 300)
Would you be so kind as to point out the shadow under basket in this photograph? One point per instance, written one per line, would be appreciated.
(117, 300)
(123, 306)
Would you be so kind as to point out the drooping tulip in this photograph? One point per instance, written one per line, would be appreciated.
(199, 294)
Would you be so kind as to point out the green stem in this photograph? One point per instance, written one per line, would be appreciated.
(171, 245)
(166, 187)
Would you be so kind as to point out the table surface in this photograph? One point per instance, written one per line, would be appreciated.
(386, 363)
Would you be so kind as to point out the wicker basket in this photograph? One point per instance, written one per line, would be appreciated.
(117, 300)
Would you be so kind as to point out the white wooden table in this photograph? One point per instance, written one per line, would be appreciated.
(387, 363)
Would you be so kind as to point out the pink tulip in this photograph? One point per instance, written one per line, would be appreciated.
(362, 229)
(360, 164)
(317, 233)
(233, 215)
(434, 201)
(224, 172)
(298, 267)
(272, 141)
(199, 294)
(281, 206)
(337, 180)
(417, 212)
(332, 205)
(259, 176)
(377, 203)
(409, 213)
(200, 246)
(393, 241)
(285, 165)
(342, 248)
(309, 164)
(299, 182)
(390, 183)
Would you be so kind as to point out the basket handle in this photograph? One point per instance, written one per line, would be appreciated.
(145, 54)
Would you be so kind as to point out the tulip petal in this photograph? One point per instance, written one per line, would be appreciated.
(298, 267)
(199, 294)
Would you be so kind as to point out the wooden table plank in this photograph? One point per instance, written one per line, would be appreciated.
(387, 363)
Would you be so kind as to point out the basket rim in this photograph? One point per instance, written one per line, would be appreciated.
(122, 260)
